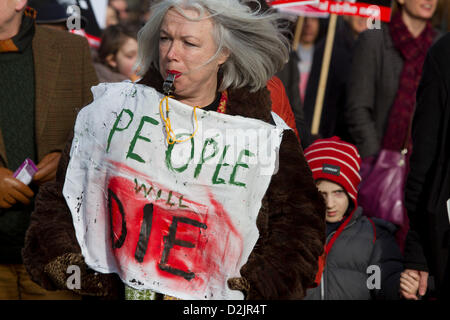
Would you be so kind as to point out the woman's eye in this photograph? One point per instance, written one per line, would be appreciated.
(190, 44)
(162, 38)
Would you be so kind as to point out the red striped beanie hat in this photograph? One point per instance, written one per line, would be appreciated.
(335, 160)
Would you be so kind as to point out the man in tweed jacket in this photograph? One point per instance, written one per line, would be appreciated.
(45, 79)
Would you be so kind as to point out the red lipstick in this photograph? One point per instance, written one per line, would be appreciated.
(175, 72)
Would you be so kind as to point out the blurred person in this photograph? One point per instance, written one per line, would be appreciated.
(331, 120)
(174, 41)
(305, 51)
(386, 69)
(357, 24)
(46, 78)
(112, 16)
(145, 11)
(117, 54)
(385, 72)
(427, 190)
(121, 7)
(354, 242)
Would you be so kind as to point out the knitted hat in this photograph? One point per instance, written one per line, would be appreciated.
(335, 160)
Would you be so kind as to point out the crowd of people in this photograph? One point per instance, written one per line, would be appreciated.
(319, 236)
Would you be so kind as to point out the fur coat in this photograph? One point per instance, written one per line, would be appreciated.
(291, 222)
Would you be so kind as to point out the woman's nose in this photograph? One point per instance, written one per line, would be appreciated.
(172, 54)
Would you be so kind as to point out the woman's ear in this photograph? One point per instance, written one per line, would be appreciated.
(111, 61)
(224, 55)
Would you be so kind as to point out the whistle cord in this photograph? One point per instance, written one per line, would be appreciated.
(171, 136)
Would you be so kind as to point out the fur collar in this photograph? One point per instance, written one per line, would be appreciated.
(242, 102)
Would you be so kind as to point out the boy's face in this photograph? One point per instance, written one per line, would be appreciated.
(336, 199)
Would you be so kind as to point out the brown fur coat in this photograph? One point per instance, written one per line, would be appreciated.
(291, 221)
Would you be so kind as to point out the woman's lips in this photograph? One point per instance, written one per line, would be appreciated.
(331, 213)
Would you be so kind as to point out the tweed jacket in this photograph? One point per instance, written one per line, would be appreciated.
(291, 220)
(63, 78)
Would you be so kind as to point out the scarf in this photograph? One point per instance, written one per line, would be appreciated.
(413, 50)
(20, 42)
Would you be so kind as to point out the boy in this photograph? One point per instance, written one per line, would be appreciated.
(362, 260)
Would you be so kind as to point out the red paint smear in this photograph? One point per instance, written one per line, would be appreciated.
(216, 248)
(220, 210)
(120, 167)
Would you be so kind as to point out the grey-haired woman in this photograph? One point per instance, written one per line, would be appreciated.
(215, 51)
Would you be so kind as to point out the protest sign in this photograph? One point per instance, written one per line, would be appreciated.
(288, 3)
(179, 219)
(376, 9)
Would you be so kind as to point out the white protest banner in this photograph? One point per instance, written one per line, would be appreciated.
(179, 219)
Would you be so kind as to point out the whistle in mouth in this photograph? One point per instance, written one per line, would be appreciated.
(168, 86)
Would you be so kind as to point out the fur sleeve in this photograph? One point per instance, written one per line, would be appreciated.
(51, 233)
(284, 261)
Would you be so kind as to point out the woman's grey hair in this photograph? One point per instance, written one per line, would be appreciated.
(256, 46)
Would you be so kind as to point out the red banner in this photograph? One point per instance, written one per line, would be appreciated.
(287, 3)
(370, 9)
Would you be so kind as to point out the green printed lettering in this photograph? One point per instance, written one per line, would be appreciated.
(169, 154)
(168, 199)
(203, 159)
(138, 188)
(116, 124)
(180, 202)
(137, 136)
(238, 164)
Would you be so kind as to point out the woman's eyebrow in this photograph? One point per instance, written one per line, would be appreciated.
(182, 37)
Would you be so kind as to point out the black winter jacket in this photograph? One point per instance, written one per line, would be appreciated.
(428, 185)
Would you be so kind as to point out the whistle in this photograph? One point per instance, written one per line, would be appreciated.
(168, 86)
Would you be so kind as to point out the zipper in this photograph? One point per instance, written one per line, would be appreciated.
(322, 283)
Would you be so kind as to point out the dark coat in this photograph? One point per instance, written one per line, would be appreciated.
(362, 244)
(332, 118)
(291, 220)
(428, 183)
(371, 89)
(290, 76)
